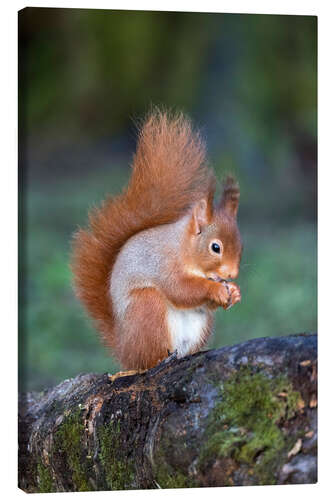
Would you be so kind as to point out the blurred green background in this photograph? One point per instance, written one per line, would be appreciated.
(85, 76)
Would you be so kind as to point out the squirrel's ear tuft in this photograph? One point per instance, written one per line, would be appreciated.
(200, 216)
(230, 196)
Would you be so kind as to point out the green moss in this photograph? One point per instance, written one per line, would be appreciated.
(166, 477)
(166, 474)
(243, 425)
(119, 471)
(45, 481)
(68, 439)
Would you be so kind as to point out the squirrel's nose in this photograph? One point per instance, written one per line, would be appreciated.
(233, 274)
(230, 273)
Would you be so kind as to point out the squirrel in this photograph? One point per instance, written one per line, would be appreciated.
(158, 259)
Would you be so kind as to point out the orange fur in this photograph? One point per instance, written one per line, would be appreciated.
(148, 309)
(169, 175)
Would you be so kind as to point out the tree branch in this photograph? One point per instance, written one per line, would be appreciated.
(239, 415)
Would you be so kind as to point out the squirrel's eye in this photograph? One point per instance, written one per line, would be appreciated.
(216, 248)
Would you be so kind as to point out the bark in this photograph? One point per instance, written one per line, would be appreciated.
(240, 415)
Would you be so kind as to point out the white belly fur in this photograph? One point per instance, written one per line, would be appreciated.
(186, 328)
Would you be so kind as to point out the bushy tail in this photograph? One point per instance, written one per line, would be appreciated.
(169, 175)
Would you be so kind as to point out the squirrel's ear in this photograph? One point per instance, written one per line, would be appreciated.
(230, 197)
(200, 216)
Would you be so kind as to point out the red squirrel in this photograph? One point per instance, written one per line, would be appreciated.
(157, 260)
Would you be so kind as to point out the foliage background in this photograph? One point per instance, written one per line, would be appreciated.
(248, 81)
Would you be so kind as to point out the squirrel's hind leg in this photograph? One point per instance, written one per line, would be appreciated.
(144, 341)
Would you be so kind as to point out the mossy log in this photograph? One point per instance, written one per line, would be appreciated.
(240, 415)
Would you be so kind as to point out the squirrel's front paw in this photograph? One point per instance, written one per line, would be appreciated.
(234, 294)
(225, 294)
(220, 295)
